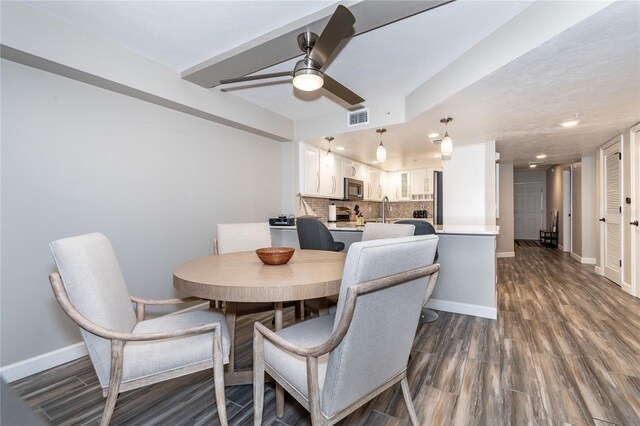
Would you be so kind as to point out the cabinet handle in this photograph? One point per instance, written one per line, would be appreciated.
(602, 219)
(634, 223)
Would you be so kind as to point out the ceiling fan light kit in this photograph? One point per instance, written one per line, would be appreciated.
(308, 74)
(330, 159)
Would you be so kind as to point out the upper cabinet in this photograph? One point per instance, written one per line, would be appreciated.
(404, 185)
(321, 174)
(331, 177)
(422, 184)
(373, 191)
(391, 186)
(310, 175)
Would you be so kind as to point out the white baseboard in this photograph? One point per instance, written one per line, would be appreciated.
(505, 254)
(463, 308)
(626, 287)
(599, 270)
(585, 260)
(42, 362)
(561, 247)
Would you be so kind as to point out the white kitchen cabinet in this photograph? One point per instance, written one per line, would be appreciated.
(321, 174)
(391, 186)
(404, 185)
(419, 183)
(373, 185)
(422, 184)
(331, 179)
(310, 175)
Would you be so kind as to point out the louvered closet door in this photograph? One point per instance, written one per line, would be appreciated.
(613, 213)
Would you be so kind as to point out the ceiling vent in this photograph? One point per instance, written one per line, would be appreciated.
(358, 117)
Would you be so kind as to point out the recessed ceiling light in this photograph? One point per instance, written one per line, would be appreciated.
(541, 156)
(437, 155)
(533, 166)
(433, 135)
(570, 123)
(340, 148)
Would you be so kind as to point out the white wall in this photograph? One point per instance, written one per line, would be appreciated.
(588, 205)
(505, 238)
(77, 159)
(576, 209)
(468, 185)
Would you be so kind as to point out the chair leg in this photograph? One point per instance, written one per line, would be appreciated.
(218, 377)
(258, 377)
(279, 389)
(117, 349)
(407, 399)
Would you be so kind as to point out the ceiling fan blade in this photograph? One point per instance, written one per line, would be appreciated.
(256, 77)
(338, 28)
(341, 91)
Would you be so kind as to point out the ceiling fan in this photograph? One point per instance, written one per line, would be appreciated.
(307, 74)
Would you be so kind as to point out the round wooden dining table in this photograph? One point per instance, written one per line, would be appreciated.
(242, 278)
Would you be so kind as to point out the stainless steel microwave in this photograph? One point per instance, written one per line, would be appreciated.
(353, 189)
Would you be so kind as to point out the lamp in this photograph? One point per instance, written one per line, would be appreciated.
(446, 146)
(307, 76)
(330, 158)
(381, 152)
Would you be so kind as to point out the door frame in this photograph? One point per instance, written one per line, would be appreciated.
(566, 225)
(634, 152)
(603, 202)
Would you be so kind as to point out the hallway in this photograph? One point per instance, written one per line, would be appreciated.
(565, 348)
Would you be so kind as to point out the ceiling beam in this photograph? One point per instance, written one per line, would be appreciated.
(280, 45)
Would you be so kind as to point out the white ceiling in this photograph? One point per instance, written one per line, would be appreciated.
(592, 68)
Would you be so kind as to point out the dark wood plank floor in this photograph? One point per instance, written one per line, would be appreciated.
(564, 349)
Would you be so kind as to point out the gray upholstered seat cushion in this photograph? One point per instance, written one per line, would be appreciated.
(291, 367)
(143, 359)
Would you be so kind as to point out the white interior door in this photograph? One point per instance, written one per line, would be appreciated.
(566, 210)
(612, 213)
(527, 215)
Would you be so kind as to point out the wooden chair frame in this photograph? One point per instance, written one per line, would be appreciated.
(312, 403)
(119, 339)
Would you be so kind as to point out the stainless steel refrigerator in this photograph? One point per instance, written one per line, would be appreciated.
(437, 198)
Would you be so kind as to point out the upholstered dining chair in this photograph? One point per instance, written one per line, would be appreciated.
(314, 235)
(334, 364)
(235, 237)
(424, 228)
(379, 231)
(126, 350)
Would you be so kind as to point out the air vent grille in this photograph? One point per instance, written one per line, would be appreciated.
(358, 117)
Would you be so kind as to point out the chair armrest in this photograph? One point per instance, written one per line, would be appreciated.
(85, 323)
(175, 301)
(141, 303)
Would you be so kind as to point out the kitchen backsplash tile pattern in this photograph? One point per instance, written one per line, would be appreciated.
(370, 209)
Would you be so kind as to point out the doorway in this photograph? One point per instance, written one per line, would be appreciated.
(527, 215)
(612, 218)
(566, 210)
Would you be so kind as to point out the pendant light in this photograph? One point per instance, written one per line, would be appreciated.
(446, 146)
(330, 158)
(381, 152)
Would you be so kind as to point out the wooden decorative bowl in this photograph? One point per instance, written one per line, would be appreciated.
(275, 255)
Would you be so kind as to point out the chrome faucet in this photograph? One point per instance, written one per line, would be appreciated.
(385, 207)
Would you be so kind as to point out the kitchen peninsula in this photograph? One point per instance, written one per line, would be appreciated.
(467, 255)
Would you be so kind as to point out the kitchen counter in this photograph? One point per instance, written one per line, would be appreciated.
(440, 229)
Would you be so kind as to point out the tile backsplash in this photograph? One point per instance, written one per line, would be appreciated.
(370, 209)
